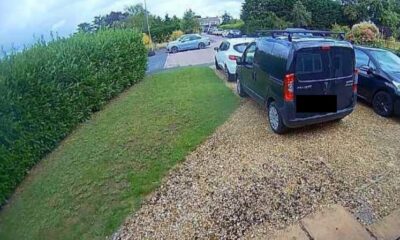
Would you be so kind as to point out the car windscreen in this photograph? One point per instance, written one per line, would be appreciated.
(320, 64)
(240, 47)
(387, 60)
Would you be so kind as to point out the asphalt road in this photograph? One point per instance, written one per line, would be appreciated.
(157, 62)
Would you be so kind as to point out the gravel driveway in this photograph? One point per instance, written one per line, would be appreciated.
(246, 182)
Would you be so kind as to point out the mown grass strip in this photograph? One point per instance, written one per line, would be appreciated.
(99, 174)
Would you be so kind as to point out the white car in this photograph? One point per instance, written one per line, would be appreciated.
(228, 52)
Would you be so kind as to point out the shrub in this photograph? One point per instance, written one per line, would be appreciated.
(239, 24)
(175, 35)
(364, 33)
(146, 40)
(340, 28)
(47, 90)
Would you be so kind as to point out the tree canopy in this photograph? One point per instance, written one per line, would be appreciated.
(190, 23)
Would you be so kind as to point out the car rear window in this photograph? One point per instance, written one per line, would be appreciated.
(319, 64)
(240, 47)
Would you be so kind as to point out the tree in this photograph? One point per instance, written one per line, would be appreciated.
(266, 14)
(136, 9)
(269, 20)
(136, 17)
(167, 19)
(190, 23)
(113, 18)
(300, 16)
(85, 28)
(325, 13)
(226, 18)
(98, 23)
(391, 19)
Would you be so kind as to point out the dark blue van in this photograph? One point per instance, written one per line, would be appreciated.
(301, 77)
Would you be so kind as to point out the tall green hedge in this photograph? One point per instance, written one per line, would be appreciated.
(47, 90)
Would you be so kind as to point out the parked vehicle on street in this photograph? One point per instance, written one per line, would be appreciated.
(188, 42)
(379, 79)
(301, 80)
(218, 32)
(227, 54)
(211, 30)
(234, 34)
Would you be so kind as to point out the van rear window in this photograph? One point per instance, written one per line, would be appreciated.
(309, 63)
(318, 64)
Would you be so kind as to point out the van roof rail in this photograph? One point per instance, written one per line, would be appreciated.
(289, 33)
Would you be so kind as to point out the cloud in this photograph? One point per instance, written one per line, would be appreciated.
(58, 25)
(24, 18)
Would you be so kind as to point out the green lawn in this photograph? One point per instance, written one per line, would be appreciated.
(99, 174)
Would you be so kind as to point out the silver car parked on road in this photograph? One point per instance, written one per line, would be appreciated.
(187, 42)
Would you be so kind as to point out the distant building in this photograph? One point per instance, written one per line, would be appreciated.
(209, 22)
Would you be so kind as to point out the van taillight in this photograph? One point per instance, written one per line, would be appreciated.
(288, 87)
(355, 82)
(326, 48)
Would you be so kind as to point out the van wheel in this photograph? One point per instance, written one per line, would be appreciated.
(275, 119)
(217, 65)
(202, 46)
(239, 88)
(231, 77)
(383, 104)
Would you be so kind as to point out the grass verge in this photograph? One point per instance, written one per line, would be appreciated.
(99, 174)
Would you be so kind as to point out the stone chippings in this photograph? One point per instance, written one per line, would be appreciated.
(245, 182)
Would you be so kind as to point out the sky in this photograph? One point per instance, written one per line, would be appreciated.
(24, 20)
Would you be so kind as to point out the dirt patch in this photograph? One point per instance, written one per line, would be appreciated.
(246, 182)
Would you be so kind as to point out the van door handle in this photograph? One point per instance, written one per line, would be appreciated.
(254, 76)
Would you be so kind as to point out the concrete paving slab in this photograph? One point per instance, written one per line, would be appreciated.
(291, 233)
(388, 228)
(334, 223)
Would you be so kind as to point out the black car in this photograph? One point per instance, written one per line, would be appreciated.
(300, 79)
(379, 79)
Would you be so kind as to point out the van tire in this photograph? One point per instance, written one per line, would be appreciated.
(275, 119)
(239, 88)
(382, 104)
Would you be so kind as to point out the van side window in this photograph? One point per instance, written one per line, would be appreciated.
(249, 54)
(279, 57)
(281, 51)
(362, 59)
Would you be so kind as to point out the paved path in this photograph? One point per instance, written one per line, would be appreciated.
(335, 223)
(157, 62)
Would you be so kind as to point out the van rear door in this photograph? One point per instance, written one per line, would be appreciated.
(323, 75)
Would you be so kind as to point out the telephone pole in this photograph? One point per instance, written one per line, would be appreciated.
(148, 25)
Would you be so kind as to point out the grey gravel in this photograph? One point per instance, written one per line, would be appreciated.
(246, 182)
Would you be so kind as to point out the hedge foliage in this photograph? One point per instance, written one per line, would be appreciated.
(47, 90)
